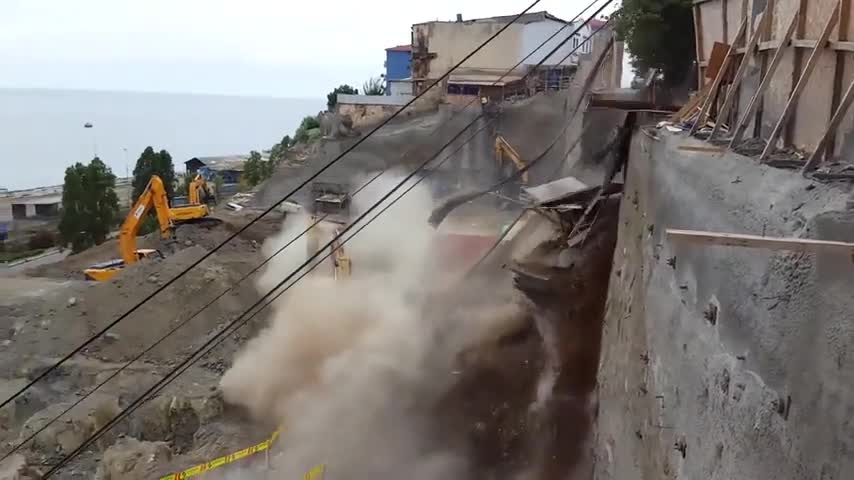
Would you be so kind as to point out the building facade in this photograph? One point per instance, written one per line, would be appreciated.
(398, 69)
(437, 47)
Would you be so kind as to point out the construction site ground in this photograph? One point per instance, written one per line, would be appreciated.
(484, 410)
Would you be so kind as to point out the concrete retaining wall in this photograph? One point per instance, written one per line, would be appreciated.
(722, 362)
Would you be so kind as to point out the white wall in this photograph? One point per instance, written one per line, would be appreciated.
(535, 33)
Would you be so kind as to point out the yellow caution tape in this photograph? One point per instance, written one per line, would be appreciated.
(315, 473)
(226, 459)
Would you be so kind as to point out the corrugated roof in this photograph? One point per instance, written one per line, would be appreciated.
(400, 48)
(222, 163)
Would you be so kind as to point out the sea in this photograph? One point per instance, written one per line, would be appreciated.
(44, 131)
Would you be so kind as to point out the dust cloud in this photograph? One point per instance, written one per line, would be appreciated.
(353, 368)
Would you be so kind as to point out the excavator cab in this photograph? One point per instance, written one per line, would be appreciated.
(153, 197)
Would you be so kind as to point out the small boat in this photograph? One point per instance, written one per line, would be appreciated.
(87, 125)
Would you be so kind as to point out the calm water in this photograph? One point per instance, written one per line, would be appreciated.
(42, 131)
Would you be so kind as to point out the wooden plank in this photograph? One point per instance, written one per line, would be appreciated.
(842, 46)
(738, 131)
(739, 75)
(719, 53)
(699, 237)
(797, 64)
(704, 112)
(838, 70)
(698, 42)
(724, 22)
(838, 115)
(698, 148)
(802, 83)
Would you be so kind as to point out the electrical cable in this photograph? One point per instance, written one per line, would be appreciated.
(414, 172)
(242, 323)
(172, 331)
(242, 229)
(233, 322)
(243, 278)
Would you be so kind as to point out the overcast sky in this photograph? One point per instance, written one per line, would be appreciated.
(245, 47)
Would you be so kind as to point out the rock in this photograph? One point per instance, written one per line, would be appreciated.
(72, 301)
(111, 337)
(153, 278)
(188, 243)
(131, 459)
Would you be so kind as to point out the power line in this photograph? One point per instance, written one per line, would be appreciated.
(219, 334)
(242, 229)
(341, 233)
(239, 281)
(242, 323)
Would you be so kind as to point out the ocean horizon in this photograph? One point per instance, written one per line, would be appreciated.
(43, 131)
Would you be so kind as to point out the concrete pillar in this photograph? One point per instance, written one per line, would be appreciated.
(30, 210)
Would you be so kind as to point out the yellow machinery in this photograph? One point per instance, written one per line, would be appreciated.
(199, 191)
(502, 148)
(154, 196)
(341, 267)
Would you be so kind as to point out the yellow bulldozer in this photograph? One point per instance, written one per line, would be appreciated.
(153, 197)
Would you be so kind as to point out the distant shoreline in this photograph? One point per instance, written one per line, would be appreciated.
(44, 90)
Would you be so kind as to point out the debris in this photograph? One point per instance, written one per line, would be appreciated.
(111, 337)
(188, 243)
(72, 301)
(153, 278)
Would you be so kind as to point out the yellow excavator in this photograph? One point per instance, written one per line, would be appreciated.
(154, 196)
(502, 149)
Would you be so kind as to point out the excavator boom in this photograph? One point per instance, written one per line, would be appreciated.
(502, 148)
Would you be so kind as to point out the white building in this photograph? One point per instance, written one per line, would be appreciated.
(437, 46)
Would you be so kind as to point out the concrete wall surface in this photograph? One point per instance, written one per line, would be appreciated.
(724, 362)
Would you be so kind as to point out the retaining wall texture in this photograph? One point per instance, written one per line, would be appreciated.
(722, 362)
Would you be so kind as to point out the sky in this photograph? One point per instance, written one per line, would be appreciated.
(233, 47)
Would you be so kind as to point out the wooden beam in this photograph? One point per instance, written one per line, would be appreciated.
(699, 237)
(739, 75)
(738, 131)
(698, 41)
(802, 83)
(838, 115)
(716, 83)
(838, 70)
(700, 148)
(797, 64)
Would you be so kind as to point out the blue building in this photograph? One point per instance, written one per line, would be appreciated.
(397, 67)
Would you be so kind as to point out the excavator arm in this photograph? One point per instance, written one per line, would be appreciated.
(502, 148)
(197, 187)
(154, 196)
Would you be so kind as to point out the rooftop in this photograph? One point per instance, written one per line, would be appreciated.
(596, 23)
(400, 48)
(532, 17)
(222, 163)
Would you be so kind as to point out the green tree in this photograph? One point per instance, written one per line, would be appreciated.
(658, 34)
(332, 97)
(90, 205)
(374, 86)
(304, 131)
(279, 151)
(153, 163)
(253, 170)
